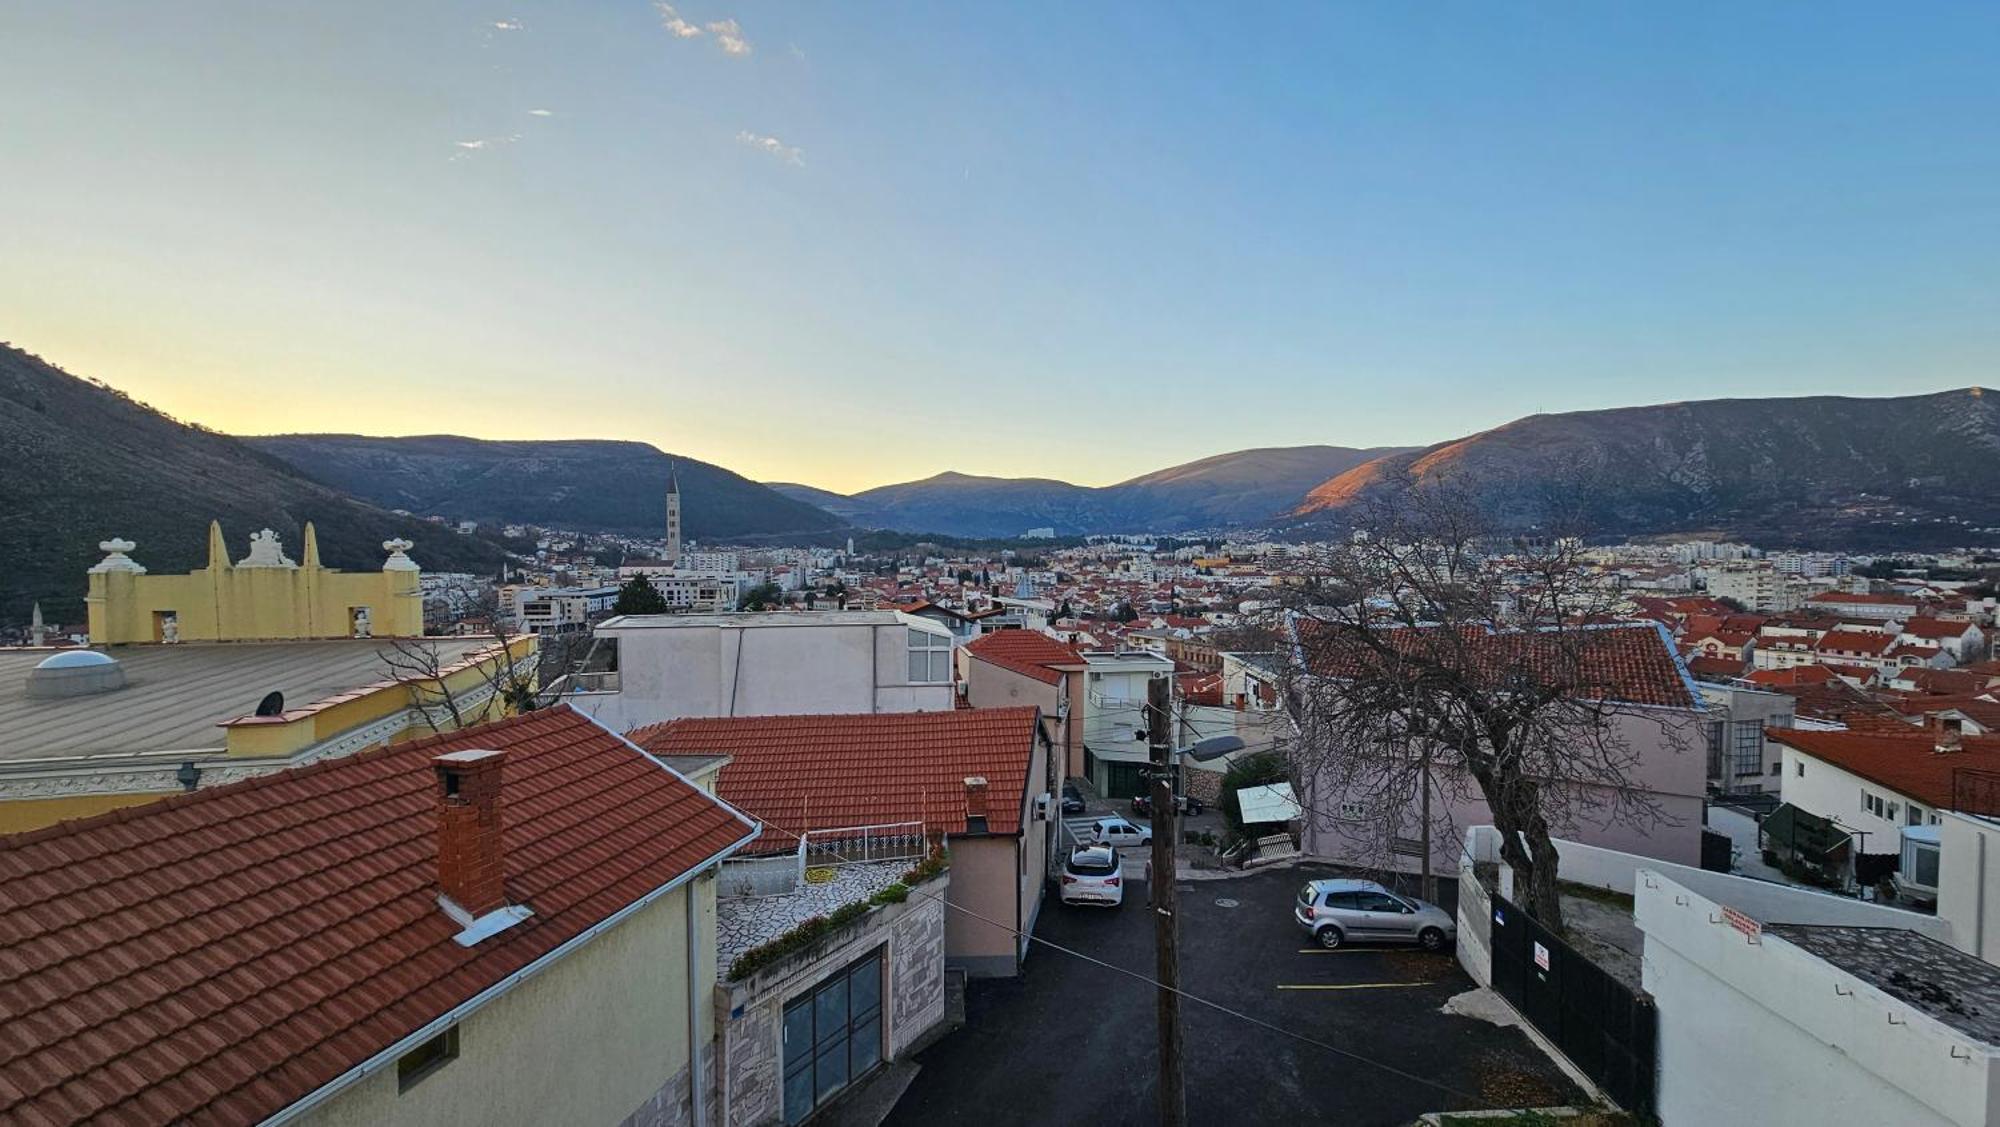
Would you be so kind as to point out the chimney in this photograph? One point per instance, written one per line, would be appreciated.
(975, 804)
(469, 852)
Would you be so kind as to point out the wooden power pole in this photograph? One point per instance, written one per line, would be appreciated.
(1166, 901)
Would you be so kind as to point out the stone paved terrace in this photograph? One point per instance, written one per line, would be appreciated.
(1944, 982)
(742, 922)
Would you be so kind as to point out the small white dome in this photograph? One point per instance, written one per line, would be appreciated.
(75, 673)
(75, 659)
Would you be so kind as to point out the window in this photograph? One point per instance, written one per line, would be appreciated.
(833, 1036)
(1350, 901)
(1352, 811)
(1747, 748)
(412, 1067)
(930, 657)
(1378, 902)
(1916, 815)
(1799, 769)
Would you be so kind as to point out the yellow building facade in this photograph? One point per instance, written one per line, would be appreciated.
(266, 596)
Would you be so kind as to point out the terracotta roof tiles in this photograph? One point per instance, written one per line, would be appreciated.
(799, 773)
(1030, 653)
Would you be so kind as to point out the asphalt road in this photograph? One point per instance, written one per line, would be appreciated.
(1072, 1042)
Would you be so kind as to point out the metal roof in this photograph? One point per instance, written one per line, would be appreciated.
(1273, 803)
(175, 696)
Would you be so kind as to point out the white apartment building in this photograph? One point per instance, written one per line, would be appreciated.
(1115, 748)
(1759, 588)
(556, 610)
(645, 669)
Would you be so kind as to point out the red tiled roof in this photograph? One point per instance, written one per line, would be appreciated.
(1855, 642)
(1908, 764)
(219, 955)
(799, 773)
(1935, 628)
(1030, 653)
(1715, 666)
(1838, 597)
(1796, 675)
(1630, 664)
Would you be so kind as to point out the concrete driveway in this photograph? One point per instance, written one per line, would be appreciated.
(1071, 1042)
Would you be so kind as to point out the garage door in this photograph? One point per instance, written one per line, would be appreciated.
(833, 1036)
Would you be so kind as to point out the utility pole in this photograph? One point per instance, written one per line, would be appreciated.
(1166, 900)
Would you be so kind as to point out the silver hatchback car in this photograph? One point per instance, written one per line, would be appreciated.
(1338, 911)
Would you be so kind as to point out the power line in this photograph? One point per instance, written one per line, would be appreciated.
(1199, 1000)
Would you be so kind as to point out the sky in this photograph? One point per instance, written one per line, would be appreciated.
(853, 243)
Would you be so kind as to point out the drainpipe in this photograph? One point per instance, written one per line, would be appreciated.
(1979, 904)
(695, 1101)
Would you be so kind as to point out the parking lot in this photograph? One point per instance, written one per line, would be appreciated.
(1072, 1041)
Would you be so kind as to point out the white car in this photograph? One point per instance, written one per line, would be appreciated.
(1118, 833)
(1093, 875)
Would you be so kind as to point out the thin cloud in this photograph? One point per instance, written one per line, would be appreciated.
(790, 154)
(469, 149)
(798, 52)
(506, 25)
(541, 113)
(672, 21)
(727, 32)
(729, 37)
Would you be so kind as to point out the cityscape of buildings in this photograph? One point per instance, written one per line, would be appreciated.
(872, 783)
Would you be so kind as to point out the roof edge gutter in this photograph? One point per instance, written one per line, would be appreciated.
(479, 1001)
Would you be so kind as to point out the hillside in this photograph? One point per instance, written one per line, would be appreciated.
(1814, 470)
(80, 463)
(585, 484)
(1244, 487)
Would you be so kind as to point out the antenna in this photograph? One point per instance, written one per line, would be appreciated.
(273, 704)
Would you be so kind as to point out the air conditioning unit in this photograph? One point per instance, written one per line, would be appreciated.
(1042, 803)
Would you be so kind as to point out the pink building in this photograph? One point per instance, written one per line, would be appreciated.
(1656, 718)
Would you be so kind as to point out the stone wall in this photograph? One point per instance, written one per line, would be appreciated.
(751, 1012)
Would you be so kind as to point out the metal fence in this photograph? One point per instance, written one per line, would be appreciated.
(852, 845)
(1603, 1026)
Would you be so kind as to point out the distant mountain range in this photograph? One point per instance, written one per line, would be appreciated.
(583, 484)
(80, 463)
(1245, 487)
(1823, 470)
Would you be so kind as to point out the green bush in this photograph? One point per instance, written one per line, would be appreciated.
(937, 862)
(1250, 771)
(894, 894)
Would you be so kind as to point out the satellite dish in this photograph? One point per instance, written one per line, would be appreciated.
(273, 704)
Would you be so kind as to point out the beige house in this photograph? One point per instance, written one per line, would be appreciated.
(1011, 668)
(511, 924)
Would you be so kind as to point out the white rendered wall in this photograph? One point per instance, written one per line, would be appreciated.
(1763, 1032)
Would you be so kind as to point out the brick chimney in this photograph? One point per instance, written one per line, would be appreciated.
(469, 851)
(975, 803)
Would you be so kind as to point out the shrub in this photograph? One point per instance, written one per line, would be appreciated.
(937, 862)
(894, 894)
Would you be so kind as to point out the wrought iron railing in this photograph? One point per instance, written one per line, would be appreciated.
(851, 845)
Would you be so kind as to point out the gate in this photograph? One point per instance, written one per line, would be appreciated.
(1604, 1027)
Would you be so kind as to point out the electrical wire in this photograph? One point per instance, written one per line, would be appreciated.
(1213, 1005)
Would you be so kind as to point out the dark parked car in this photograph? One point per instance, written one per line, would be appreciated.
(1072, 799)
(1142, 805)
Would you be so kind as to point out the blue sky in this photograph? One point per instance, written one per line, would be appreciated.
(850, 244)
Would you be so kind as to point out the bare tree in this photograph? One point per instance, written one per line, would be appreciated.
(421, 663)
(1433, 661)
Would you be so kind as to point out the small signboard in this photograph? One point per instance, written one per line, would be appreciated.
(1541, 956)
(1743, 923)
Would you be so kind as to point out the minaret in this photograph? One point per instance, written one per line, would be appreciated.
(673, 518)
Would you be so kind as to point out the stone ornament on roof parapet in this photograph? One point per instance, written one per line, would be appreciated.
(266, 551)
(115, 558)
(398, 560)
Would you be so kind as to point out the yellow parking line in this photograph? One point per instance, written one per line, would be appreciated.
(1355, 986)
